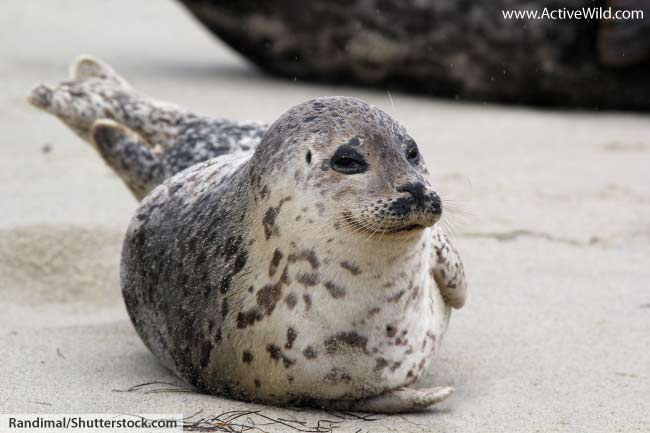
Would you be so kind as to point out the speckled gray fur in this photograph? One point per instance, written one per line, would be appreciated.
(264, 273)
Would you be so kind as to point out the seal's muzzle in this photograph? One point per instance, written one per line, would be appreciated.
(421, 208)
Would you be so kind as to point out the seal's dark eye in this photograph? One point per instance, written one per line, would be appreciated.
(348, 160)
(412, 154)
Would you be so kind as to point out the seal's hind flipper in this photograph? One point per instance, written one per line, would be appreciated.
(85, 67)
(129, 155)
(396, 401)
(96, 91)
(43, 97)
(71, 101)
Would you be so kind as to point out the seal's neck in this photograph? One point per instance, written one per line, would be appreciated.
(386, 251)
(388, 255)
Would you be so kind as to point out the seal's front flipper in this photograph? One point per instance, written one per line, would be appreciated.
(447, 270)
(397, 401)
(136, 162)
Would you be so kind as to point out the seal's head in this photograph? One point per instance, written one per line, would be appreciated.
(358, 163)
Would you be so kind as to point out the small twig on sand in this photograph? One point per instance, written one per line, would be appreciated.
(177, 387)
(43, 403)
(256, 420)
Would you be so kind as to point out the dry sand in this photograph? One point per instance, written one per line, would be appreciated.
(550, 209)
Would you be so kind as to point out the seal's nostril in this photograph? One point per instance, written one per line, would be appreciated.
(417, 190)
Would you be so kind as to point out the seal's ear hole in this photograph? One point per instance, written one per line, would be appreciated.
(308, 157)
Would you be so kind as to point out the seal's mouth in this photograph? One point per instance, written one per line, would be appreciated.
(408, 228)
(392, 228)
(410, 212)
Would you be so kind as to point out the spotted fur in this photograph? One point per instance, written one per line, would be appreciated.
(254, 268)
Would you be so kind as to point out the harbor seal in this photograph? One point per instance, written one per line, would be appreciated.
(293, 264)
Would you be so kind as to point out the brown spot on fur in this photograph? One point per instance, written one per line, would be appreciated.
(284, 278)
(247, 357)
(310, 352)
(291, 337)
(268, 296)
(400, 342)
(373, 311)
(305, 255)
(268, 221)
(391, 331)
(307, 299)
(291, 300)
(274, 351)
(335, 290)
(337, 375)
(353, 269)
(257, 383)
(396, 297)
(276, 354)
(275, 262)
(248, 318)
(381, 363)
(341, 340)
(308, 279)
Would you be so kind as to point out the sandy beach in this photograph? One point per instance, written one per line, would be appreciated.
(549, 209)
